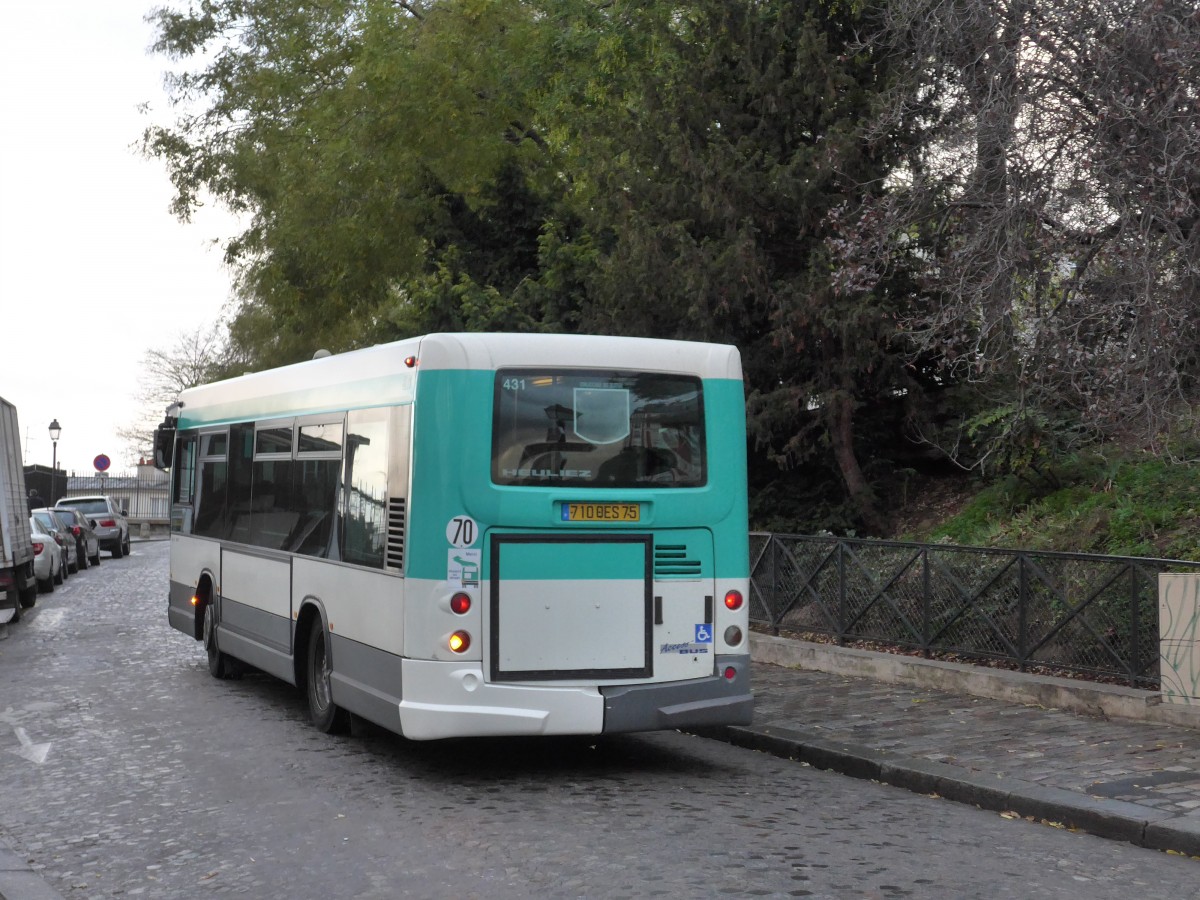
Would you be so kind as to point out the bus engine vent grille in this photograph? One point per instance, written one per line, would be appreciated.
(671, 560)
(395, 533)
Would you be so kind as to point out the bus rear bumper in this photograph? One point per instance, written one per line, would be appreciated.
(714, 700)
(446, 699)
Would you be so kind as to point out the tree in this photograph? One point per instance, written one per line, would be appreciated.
(717, 148)
(376, 147)
(669, 169)
(196, 357)
(1050, 200)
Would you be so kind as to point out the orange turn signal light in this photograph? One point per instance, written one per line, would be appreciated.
(460, 641)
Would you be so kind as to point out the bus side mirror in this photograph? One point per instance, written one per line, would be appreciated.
(164, 445)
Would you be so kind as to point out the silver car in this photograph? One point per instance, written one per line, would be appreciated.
(112, 528)
(84, 529)
(47, 558)
(51, 524)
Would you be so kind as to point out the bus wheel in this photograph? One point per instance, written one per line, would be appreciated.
(326, 715)
(219, 665)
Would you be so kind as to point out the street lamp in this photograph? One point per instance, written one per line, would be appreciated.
(55, 431)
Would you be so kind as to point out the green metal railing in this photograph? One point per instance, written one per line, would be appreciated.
(1057, 612)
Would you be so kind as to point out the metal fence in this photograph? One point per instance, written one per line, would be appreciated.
(143, 493)
(1056, 612)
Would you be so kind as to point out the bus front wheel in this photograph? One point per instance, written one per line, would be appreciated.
(326, 715)
(219, 665)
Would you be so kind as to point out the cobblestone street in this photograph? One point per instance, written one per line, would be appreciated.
(157, 780)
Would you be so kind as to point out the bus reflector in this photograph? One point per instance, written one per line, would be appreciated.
(460, 641)
(461, 603)
(730, 673)
(733, 600)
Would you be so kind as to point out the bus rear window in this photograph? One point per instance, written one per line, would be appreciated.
(598, 429)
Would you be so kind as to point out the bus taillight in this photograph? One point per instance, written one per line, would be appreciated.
(460, 642)
(195, 600)
(461, 603)
(733, 600)
(733, 635)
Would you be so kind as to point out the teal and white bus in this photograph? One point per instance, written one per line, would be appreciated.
(473, 534)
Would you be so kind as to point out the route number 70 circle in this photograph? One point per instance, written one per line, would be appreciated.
(462, 531)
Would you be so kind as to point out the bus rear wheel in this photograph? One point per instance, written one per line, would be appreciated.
(326, 715)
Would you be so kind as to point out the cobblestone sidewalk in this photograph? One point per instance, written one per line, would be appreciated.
(1128, 780)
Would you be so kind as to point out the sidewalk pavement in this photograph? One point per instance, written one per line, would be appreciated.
(1131, 778)
(19, 882)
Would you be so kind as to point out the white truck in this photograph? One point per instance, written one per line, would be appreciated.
(18, 583)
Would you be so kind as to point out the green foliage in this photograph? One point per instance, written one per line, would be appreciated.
(716, 152)
(1014, 439)
(364, 141)
(1125, 505)
(665, 169)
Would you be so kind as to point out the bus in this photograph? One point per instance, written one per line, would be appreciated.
(473, 534)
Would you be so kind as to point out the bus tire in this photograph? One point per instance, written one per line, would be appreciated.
(326, 715)
(219, 665)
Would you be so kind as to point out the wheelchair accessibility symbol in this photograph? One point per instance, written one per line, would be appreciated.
(704, 634)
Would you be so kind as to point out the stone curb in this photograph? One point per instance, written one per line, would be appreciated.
(1113, 819)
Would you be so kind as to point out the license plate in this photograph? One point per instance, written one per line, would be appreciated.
(601, 512)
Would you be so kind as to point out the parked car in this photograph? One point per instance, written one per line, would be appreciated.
(79, 556)
(47, 558)
(52, 525)
(86, 541)
(112, 528)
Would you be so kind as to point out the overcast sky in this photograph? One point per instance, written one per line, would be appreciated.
(94, 271)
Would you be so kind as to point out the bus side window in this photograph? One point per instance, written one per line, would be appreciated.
(241, 470)
(316, 502)
(210, 497)
(364, 486)
(185, 471)
(211, 484)
(272, 516)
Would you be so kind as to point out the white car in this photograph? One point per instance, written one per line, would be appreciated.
(47, 558)
(51, 524)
